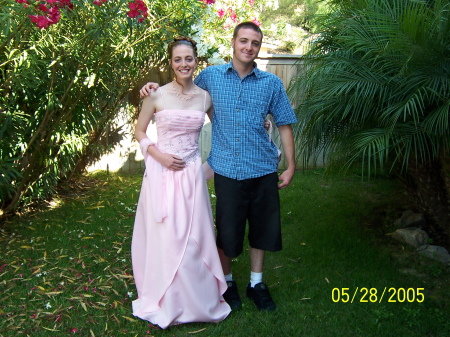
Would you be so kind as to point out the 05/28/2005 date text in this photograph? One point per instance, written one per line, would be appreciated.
(373, 295)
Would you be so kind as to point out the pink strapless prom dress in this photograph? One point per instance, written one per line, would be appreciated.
(176, 267)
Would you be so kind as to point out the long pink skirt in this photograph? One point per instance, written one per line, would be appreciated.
(176, 267)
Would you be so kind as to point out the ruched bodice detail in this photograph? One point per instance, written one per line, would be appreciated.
(178, 132)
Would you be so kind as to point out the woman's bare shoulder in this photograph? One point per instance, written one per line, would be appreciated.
(154, 99)
(166, 86)
(204, 92)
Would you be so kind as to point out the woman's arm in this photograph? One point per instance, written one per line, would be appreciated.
(172, 162)
(145, 116)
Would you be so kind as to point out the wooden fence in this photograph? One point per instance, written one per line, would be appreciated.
(127, 155)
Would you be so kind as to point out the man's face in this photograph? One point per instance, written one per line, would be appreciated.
(246, 45)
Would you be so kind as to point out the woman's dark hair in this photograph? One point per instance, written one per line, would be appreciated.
(247, 24)
(179, 41)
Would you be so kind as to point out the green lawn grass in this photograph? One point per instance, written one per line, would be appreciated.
(66, 269)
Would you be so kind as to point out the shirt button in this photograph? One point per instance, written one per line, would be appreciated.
(237, 139)
(237, 154)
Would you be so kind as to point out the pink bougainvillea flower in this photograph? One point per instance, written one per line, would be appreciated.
(41, 21)
(100, 2)
(24, 3)
(138, 9)
(54, 15)
(208, 2)
(221, 13)
(67, 3)
(251, 2)
(60, 3)
(233, 15)
(138, 5)
(256, 22)
(74, 330)
(48, 13)
(133, 13)
(43, 8)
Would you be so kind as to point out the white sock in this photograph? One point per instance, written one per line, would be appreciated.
(229, 277)
(255, 278)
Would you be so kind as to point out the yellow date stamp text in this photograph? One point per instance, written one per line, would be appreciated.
(375, 295)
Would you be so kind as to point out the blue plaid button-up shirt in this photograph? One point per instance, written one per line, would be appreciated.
(240, 146)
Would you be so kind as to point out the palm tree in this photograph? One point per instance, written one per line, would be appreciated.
(376, 93)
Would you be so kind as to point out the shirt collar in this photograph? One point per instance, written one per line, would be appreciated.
(256, 70)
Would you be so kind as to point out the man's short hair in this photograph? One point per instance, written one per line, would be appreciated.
(247, 24)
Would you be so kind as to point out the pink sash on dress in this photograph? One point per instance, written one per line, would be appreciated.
(154, 169)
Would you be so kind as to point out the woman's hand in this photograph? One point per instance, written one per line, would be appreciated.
(171, 161)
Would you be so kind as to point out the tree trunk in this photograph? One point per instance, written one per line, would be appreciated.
(429, 186)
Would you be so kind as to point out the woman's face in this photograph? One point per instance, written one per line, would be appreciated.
(183, 61)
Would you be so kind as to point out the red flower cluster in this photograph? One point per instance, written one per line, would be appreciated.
(99, 2)
(233, 15)
(48, 11)
(221, 13)
(256, 22)
(138, 10)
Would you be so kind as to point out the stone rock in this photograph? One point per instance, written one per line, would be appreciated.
(411, 236)
(436, 253)
(399, 222)
(411, 219)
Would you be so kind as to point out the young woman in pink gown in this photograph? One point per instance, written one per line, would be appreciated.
(176, 267)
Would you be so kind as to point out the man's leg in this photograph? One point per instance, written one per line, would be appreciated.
(231, 295)
(256, 260)
(231, 210)
(225, 261)
(256, 266)
(265, 234)
(256, 289)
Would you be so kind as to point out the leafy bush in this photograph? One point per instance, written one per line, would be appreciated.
(375, 94)
(66, 68)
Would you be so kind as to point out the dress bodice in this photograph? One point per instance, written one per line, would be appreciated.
(179, 131)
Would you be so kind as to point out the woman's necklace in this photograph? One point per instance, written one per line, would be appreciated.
(183, 96)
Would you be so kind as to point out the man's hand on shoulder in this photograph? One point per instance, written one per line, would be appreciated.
(147, 89)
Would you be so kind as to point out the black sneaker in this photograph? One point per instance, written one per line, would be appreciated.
(231, 296)
(261, 297)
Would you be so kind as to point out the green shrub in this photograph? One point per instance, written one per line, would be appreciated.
(66, 68)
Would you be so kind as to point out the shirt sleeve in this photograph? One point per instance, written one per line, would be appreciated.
(280, 107)
(200, 80)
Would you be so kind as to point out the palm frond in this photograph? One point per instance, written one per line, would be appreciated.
(375, 89)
